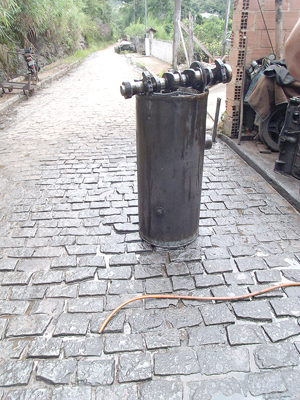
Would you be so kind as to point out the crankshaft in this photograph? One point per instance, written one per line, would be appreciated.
(196, 77)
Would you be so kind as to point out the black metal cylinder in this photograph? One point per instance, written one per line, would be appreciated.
(170, 132)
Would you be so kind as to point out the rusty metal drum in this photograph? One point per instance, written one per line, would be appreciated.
(170, 130)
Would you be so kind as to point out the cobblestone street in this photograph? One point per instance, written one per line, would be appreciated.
(70, 253)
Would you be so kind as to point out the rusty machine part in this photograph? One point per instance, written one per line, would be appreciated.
(289, 141)
(171, 139)
(196, 77)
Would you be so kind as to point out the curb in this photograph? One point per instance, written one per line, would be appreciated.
(20, 96)
(281, 183)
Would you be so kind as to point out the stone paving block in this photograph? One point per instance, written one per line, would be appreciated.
(111, 273)
(62, 241)
(115, 392)
(72, 324)
(56, 371)
(216, 360)
(276, 356)
(89, 346)
(114, 301)
(230, 388)
(245, 334)
(80, 274)
(186, 255)
(207, 335)
(292, 291)
(253, 311)
(282, 330)
(112, 248)
(52, 307)
(123, 259)
(279, 260)
(183, 283)
(147, 271)
(250, 263)
(92, 288)
(229, 291)
(126, 227)
(96, 372)
(177, 269)
(161, 390)
(217, 253)
(13, 373)
(195, 268)
(11, 348)
(67, 291)
(183, 317)
(34, 265)
(287, 307)
(28, 394)
(181, 361)
(28, 292)
(64, 262)
(44, 252)
(266, 276)
(145, 320)
(291, 379)
(3, 324)
(266, 382)
(16, 278)
(139, 248)
(270, 294)
(8, 264)
(72, 393)
(115, 343)
(162, 338)
(160, 303)
(131, 287)
(47, 277)
(92, 261)
(13, 307)
(153, 259)
(27, 325)
(217, 266)
(81, 250)
(158, 286)
(115, 325)
(207, 281)
(291, 274)
(214, 314)
(134, 367)
(45, 348)
(20, 253)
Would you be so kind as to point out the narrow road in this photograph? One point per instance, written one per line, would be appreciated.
(70, 253)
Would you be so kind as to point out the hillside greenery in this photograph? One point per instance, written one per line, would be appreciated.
(60, 27)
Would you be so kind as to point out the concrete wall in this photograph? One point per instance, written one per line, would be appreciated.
(162, 49)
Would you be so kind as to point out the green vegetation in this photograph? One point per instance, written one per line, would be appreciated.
(209, 31)
(54, 23)
(57, 28)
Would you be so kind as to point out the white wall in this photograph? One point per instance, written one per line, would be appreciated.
(162, 49)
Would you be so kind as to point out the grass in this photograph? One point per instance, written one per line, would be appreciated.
(81, 54)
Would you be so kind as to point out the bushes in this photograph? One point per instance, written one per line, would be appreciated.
(61, 22)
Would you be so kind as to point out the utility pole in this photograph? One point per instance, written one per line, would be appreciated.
(226, 28)
(191, 41)
(133, 11)
(146, 17)
(278, 30)
(176, 34)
